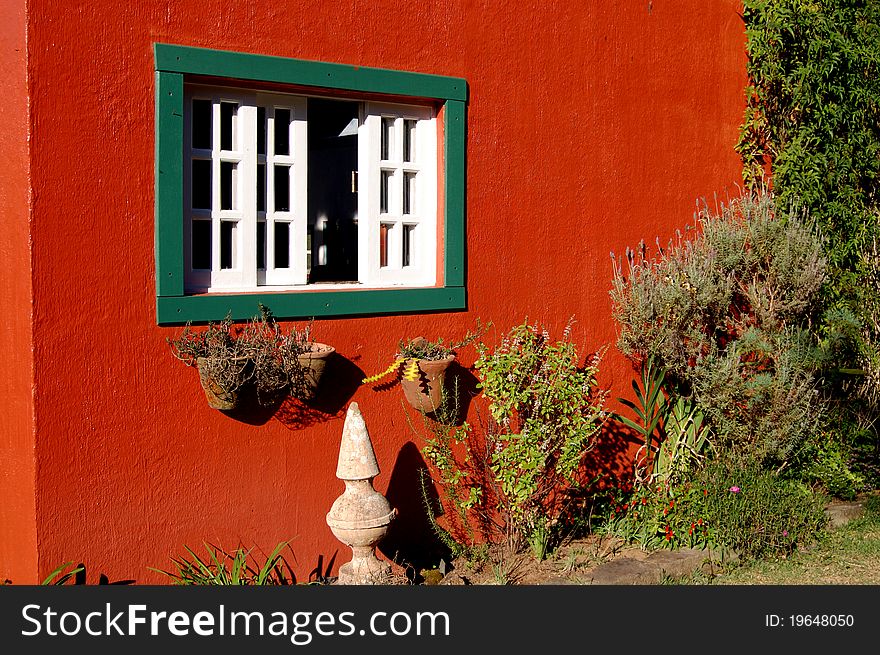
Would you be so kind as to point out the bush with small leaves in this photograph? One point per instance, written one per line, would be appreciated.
(726, 313)
(545, 412)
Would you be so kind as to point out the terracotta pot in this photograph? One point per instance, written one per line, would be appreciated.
(425, 393)
(314, 362)
(216, 395)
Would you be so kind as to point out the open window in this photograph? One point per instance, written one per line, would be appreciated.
(339, 198)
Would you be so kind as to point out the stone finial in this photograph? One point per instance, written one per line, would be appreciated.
(359, 518)
(357, 461)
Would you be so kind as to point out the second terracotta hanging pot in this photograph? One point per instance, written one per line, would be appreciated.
(425, 391)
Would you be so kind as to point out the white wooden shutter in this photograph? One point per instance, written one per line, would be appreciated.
(397, 195)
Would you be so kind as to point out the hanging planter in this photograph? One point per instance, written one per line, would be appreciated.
(422, 366)
(423, 382)
(259, 356)
(313, 363)
(423, 377)
(219, 357)
(222, 380)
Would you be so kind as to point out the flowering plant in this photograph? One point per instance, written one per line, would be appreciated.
(666, 515)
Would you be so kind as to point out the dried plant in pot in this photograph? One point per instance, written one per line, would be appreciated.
(311, 361)
(221, 358)
(258, 354)
(290, 363)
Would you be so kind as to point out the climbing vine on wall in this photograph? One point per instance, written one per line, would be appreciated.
(814, 114)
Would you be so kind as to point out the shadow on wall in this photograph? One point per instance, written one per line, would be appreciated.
(322, 574)
(411, 540)
(612, 457)
(68, 573)
(339, 383)
(461, 389)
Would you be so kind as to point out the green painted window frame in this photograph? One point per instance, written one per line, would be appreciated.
(173, 63)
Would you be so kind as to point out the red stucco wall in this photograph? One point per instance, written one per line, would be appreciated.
(18, 545)
(591, 125)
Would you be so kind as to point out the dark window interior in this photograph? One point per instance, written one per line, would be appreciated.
(332, 191)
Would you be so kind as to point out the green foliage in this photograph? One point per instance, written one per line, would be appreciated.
(421, 348)
(861, 399)
(661, 516)
(76, 574)
(517, 472)
(456, 548)
(649, 406)
(686, 438)
(726, 313)
(814, 112)
(760, 397)
(545, 405)
(847, 554)
(828, 462)
(222, 568)
(756, 512)
(60, 577)
(727, 504)
(677, 427)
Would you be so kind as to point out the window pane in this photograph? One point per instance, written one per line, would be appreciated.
(261, 187)
(384, 184)
(201, 244)
(409, 140)
(409, 192)
(227, 115)
(408, 231)
(282, 131)
(261, 130)
(201, 184)
(227, 179)
(282, 245)
(227, 238)
(261, 245)
(387, 137)
(384, 236)
(282, 188)
(201, 124)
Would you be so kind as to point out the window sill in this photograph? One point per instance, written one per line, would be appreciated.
(206, 307)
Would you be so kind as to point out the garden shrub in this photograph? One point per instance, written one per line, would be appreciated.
(826, 461)
(515, 473)
(726, 313)
(756, 512)
(862, 399)
(727, 504)
(813, 116)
